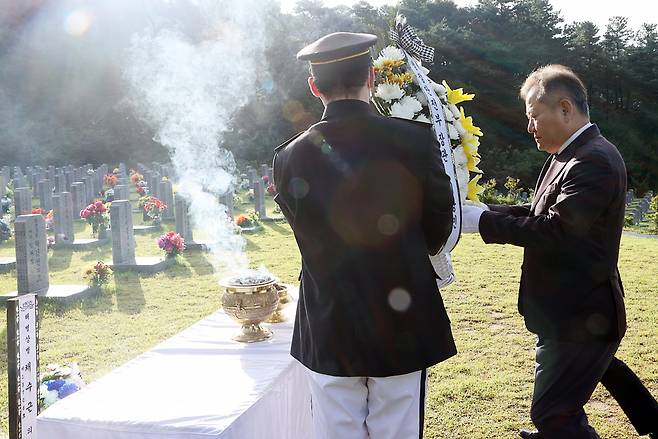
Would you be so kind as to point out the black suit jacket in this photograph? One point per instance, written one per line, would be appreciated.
(570, 285)
(367, 199)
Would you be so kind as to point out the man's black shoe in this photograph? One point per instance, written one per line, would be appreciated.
(525, 434)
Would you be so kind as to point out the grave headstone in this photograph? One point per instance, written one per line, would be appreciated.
(253, 177)
(121, 192)
(166, 195)
(123, 239)
(154, 185)
(79, 198)
(31, 254)
(45, 195)
(227, 200)
(22, 201)
(259, 199)
(60, 183)
(89, 189)
(63, 219)
(183, 224)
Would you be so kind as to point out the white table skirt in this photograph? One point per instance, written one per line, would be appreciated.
(197, 384)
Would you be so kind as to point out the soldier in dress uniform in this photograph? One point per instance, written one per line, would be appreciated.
(367, 199)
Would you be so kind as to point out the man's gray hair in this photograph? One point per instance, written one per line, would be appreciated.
(556, 77)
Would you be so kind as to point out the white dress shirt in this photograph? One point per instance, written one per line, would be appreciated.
(574, 136)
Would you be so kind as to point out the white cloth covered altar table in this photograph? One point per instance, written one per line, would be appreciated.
(198, 384)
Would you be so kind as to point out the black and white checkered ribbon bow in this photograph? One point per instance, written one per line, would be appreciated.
(406, 39)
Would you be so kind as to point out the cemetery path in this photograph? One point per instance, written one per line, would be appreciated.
(640, 235)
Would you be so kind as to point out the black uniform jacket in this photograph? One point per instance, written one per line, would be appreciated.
(367, 199)
(570, 286)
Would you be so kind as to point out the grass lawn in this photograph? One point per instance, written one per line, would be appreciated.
(483, 392)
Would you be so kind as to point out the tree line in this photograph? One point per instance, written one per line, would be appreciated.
(488, 49)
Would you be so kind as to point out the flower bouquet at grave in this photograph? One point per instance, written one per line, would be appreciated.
(248, 221)
(98, 274)
(49, 217)
(50, 242)
(97, 215)
(172, 243)
(136, 178)
(250, 195)
(37, 211)
(58, 382)
(271, 189)
(110, 180)
(153, 207)
(116, 171)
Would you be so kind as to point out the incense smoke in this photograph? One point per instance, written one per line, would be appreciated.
(186, 88)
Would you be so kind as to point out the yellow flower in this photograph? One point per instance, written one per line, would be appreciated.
(401, 80)
(388, 65)
(457, 96)
(470, 143)
(474, 189)
(467, 123)
(472, 161)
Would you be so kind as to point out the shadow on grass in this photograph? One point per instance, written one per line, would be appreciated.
(199, 263)
(99, 304)
(129, 292)
(178, 270)
(98, 254)
(251, 245)
(277, 227)
(60, 259)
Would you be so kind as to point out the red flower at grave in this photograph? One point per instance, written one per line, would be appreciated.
(172, 243)
(271, 189)
(110, 180)
(37, 211)
(141, 190)
(241, 220)
(265, 178)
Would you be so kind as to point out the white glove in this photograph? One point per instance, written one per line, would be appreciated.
(477, 204)
(471, 219)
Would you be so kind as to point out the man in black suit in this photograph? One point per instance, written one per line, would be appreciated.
(367, 199)
(570, 293)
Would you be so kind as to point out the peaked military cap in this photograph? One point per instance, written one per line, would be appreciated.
(336, 47)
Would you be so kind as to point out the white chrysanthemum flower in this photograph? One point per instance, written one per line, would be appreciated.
(455, 111)
(462, 180)
(448, 114)
(392, 53)
(389, 92)
(422, 118)
(439, 89)
(406, 108)
(462, 131)
(452, 132)
(460, 157)
(421, 98)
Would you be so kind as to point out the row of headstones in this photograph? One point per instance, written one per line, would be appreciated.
(82, 183)
(642, 208)
(60, 179)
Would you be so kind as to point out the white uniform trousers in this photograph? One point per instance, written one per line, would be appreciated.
(368, 407)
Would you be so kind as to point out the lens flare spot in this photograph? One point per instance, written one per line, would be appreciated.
(77, 23)
(298, 188)
(293, 111)
(399, 299)
(388, 225)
